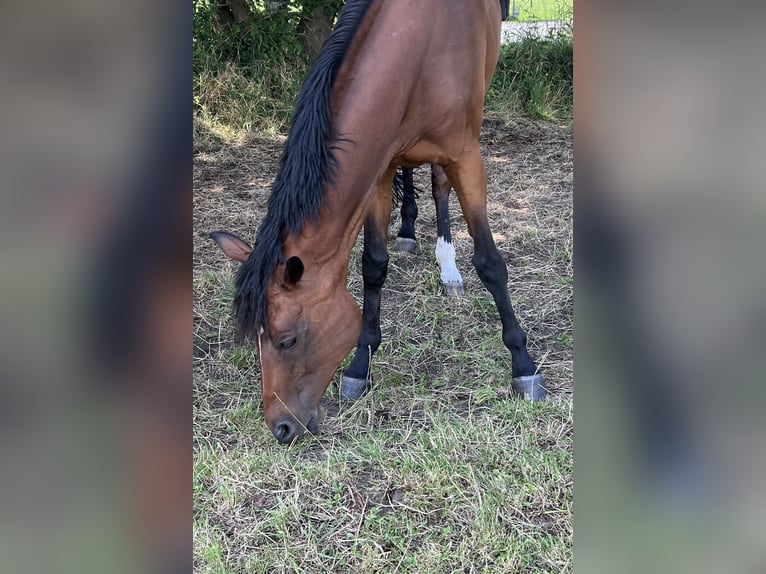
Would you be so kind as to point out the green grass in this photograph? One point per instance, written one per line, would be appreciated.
(234, 101)
(543, 10)
(401, 481)
(438, 469)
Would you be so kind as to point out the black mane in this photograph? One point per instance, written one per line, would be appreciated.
(306, 165)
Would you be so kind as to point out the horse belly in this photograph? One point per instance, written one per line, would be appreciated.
(428, 151)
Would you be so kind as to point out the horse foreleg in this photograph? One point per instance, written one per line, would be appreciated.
(470, 181)
(357, 378)
(445, 252)
(405, 239)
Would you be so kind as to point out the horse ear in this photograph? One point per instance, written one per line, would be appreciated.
(293, 270)
(232, 246)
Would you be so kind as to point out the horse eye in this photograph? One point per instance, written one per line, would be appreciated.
(288, 343)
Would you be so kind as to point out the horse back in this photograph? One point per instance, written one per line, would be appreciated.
(415, 78)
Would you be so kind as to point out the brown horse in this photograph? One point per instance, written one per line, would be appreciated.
(398, 83)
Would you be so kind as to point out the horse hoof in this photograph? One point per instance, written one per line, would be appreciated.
(351, 388)
(405, 244)
(530, 387)
(453, 289)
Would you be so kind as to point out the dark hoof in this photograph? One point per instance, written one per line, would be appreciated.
(453, 289)
(530, 387)
(351, 388)
(405, 244)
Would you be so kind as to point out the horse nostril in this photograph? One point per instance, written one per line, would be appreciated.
(284, 432)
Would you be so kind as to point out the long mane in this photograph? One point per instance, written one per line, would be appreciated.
(306, 165)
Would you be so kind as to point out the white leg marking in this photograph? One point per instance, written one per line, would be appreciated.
(445, 255)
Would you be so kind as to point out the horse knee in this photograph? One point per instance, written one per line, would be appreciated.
(490, 266)
(375, 267)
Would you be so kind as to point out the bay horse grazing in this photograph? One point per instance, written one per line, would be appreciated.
(404, 189)
(398, 83)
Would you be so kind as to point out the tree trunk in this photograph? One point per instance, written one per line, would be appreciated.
(314, 29)
(240, 10)
(223, 16)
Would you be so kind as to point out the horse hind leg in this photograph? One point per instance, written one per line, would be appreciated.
(405, 239)
(357, 379)
(445, 251)
(470, 181)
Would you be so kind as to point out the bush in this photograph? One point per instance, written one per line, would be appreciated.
(534, 77)
(232, 102)
(246, 75)
(271, 37)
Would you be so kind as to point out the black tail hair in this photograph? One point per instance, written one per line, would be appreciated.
(398, 195)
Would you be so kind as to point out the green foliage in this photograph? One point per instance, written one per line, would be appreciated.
(247, 75)
(534, 77)
(542, 10)
(270, 36)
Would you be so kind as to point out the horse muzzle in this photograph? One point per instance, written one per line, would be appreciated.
(287, 428)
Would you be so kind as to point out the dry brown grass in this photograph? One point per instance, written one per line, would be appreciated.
(438, 468)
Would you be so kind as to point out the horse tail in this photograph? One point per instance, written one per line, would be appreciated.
(399, 189)
(398, 194)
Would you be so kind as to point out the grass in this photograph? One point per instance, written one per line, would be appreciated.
(534, 78)
(439, 468)
(419, 476)
(543, 10)
(402, 494)
(233, 101)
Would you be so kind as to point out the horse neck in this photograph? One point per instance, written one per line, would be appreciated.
(367, 110)
(328, 243)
